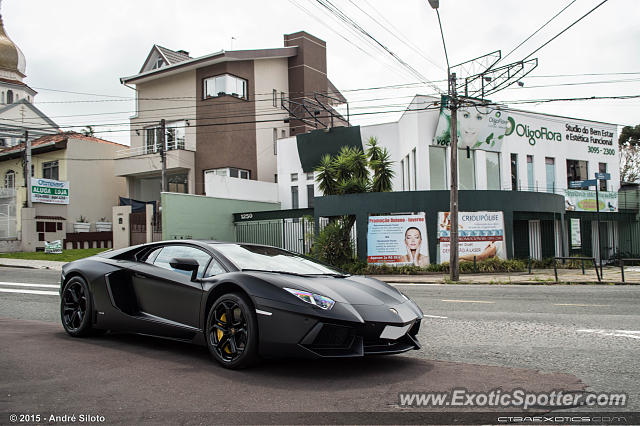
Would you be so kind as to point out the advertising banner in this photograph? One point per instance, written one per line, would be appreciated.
(580, 200)
(576, 242)
(478, 127)
(49, 191)
(53, 247)
(397, 240)
(480, 234)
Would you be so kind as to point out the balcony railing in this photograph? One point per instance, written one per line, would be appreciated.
(154, 149)
(7, 193)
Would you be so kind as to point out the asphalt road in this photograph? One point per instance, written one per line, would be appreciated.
(538, 338)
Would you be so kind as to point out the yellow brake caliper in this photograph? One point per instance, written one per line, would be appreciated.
(223, 318)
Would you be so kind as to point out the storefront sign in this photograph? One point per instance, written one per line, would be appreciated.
(49, 191)
(54, 247)
(397, 240)
(480, 234)
(576, 243)
(479, 127)
(585, 200)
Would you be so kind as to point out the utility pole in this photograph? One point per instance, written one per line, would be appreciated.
(454, 264)
(163, 155)
(27, 166)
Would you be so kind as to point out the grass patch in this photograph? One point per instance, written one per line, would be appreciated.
(66, 256)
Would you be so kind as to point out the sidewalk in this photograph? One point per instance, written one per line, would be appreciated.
(611, 274)
(538, 276)
(31, 264)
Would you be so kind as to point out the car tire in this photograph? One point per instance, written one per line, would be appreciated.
(232, 331)
(76, 308)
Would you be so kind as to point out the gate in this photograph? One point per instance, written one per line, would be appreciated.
(138, 228)
(291, 230)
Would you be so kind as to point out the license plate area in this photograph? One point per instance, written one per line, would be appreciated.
(392, 332)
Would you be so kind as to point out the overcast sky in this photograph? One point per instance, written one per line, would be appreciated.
(86, 46)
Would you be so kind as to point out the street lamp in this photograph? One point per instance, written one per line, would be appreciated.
(452, 100)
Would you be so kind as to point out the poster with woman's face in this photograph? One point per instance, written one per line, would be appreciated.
(397, 240)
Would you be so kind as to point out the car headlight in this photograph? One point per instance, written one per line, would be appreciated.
(318, 300)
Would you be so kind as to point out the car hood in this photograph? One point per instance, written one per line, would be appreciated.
(354, 290)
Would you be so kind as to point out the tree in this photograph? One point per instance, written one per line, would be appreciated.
(630, 135)
(88, 131)
(351, 171)
(629, 162)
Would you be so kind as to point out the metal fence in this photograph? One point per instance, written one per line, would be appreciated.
(296, 234)
(8, 222)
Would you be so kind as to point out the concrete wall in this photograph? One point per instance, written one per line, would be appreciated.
(93, 186)
(194, 216)
(240, 189)
(269, 74)
(180, 89)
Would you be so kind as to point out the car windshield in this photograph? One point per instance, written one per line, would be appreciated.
(261, 258)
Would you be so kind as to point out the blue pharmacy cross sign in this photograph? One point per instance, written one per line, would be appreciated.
(603, 176)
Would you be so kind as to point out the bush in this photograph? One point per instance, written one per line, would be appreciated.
(333, 245)
(486, 266)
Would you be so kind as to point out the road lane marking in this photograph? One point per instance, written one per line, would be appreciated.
(414, 284)
(576, 304)
(30, 285)
(24, 291)
(434, 316)
(465, 301)
(634, 334)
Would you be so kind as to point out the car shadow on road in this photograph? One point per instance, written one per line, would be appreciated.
(187, 358)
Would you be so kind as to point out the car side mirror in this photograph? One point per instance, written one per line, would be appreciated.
(185, 264)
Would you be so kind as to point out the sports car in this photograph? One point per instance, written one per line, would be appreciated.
(243, 301)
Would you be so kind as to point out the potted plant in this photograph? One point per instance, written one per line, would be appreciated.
(103, 225)
(81, 225)
(221, 93)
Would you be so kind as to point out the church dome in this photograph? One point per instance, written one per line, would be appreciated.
(11, 57)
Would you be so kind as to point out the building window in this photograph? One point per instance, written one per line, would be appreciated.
(294, 177)
(415, 170)
(406, 159)
(437, 168)
(178, 183)
(310, 195)
(3, 97)
(402, 172)
(283, 133)
(275, 141)
(576, 170)
(281, 100)
(225, 84)
(514, 172)
(10, 179)
(3, 142)
(275, 98)
(275, 178)
(602, 168)
(466, 169)
(493, 171)
(294, 197)
(530, 181)
(158, 63)
(309, 175)
(174, 137)
(550, 172)
(9, 96)
(50, 170)
(231, 172)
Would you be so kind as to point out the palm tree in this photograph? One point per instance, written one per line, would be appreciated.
(353, 171)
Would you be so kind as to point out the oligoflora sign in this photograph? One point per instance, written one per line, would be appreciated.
(532, 134)
(598, 138)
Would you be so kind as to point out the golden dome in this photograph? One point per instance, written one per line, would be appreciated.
(11, 57)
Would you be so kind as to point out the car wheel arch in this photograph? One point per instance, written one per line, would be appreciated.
(217, 291)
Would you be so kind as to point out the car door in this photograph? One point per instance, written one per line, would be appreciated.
(166, 295)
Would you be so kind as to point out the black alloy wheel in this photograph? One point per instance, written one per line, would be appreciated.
(75, 308)
(232, 331)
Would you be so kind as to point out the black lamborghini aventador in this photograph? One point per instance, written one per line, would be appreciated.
(242, 301)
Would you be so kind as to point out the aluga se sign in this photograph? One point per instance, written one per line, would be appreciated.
(49, 191)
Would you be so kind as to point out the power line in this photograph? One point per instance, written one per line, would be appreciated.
(536, 31)
(564, 30)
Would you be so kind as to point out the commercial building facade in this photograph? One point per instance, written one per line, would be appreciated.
(533, 153)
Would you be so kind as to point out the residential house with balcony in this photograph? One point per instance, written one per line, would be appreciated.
(223, 112)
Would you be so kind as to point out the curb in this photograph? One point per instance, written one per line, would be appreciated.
(22, 266)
